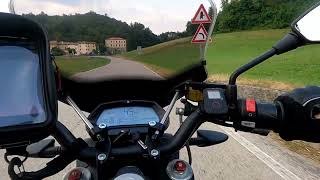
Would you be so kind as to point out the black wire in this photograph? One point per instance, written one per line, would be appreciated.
(187, 145)
(189, 153)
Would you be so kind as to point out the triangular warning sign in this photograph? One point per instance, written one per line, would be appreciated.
(201, 35)
(202, 16)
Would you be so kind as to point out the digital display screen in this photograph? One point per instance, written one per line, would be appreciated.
(21, 94)
(124, 116)
(214, 95)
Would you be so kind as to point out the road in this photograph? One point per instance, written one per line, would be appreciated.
(118, 68)
(244, 156)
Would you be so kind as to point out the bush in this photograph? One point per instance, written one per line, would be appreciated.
(57, 51)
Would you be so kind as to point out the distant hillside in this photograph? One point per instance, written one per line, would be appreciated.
(95, 27)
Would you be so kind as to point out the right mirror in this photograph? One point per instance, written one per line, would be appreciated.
(308, 24)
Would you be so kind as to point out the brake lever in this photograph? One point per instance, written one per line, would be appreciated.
(35, 150)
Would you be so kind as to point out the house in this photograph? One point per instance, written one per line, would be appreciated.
(85, 47)
(78, 48)
(116, 45)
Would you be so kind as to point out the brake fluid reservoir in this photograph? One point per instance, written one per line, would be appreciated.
(179, 170)
(78, 173)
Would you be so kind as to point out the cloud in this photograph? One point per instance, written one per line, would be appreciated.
(4, 6)
(158, 15)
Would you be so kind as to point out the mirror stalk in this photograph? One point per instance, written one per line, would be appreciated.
(251, 64)
(290, 42)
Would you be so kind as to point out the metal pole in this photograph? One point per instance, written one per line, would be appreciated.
(175, 98)
(214, 19)
(80, 113)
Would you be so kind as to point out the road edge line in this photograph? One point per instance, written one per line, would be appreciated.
(265, 158)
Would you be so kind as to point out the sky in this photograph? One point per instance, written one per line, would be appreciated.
(159, 15)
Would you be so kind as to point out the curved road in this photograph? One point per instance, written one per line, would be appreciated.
(118, 68)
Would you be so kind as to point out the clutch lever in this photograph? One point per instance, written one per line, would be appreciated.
(188, 107)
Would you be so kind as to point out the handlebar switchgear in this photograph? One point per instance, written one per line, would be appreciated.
(214, 102)
(259, 117)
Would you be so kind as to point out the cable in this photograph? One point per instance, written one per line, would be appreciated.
(187, 144)
(189, 153)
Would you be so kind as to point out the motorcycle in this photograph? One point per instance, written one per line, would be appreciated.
(127, 124)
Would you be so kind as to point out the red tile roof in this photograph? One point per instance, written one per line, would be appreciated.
(115, 38)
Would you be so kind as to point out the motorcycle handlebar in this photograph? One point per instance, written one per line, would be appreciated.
(180, 138)
(266, 116)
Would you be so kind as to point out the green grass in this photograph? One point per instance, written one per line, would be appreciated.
(168, 57)
(231, 50)
(72, 65)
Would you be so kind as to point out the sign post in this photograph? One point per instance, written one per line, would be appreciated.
(201, 36)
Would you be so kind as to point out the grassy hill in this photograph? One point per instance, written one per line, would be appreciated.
(169, 57)
(230, 50)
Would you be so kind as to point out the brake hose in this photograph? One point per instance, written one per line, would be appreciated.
(187, 144)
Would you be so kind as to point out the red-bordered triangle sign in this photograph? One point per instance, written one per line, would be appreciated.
(201, 35)
(202, 16)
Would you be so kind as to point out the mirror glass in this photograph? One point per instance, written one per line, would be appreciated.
(309, 25)
(99, 40)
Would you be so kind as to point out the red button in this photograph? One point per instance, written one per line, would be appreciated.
(251, 105)
(180, 166)
(75, 175)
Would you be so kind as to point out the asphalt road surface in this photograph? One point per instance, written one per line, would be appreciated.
(244, 156)
(118, 68)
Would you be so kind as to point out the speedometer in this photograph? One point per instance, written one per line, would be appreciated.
(127, 116)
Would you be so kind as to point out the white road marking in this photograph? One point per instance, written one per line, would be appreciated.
(269, 161)
(152, 71)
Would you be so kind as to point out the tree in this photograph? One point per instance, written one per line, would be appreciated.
(102, 49)
(57, 51)
(94, 52)
(259, 14)
(95, 27)
(71, 51)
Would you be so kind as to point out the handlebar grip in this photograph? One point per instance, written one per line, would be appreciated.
(255, 115)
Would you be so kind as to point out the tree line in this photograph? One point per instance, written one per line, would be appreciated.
(95, 27)
(235, 15)
(239, 15)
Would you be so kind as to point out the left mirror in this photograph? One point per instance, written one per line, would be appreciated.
(308, 24)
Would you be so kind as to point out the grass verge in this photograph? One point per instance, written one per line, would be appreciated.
(73, 65)
(309, 150)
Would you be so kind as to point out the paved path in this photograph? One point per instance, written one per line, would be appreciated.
(244, 156)
(118, 68)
